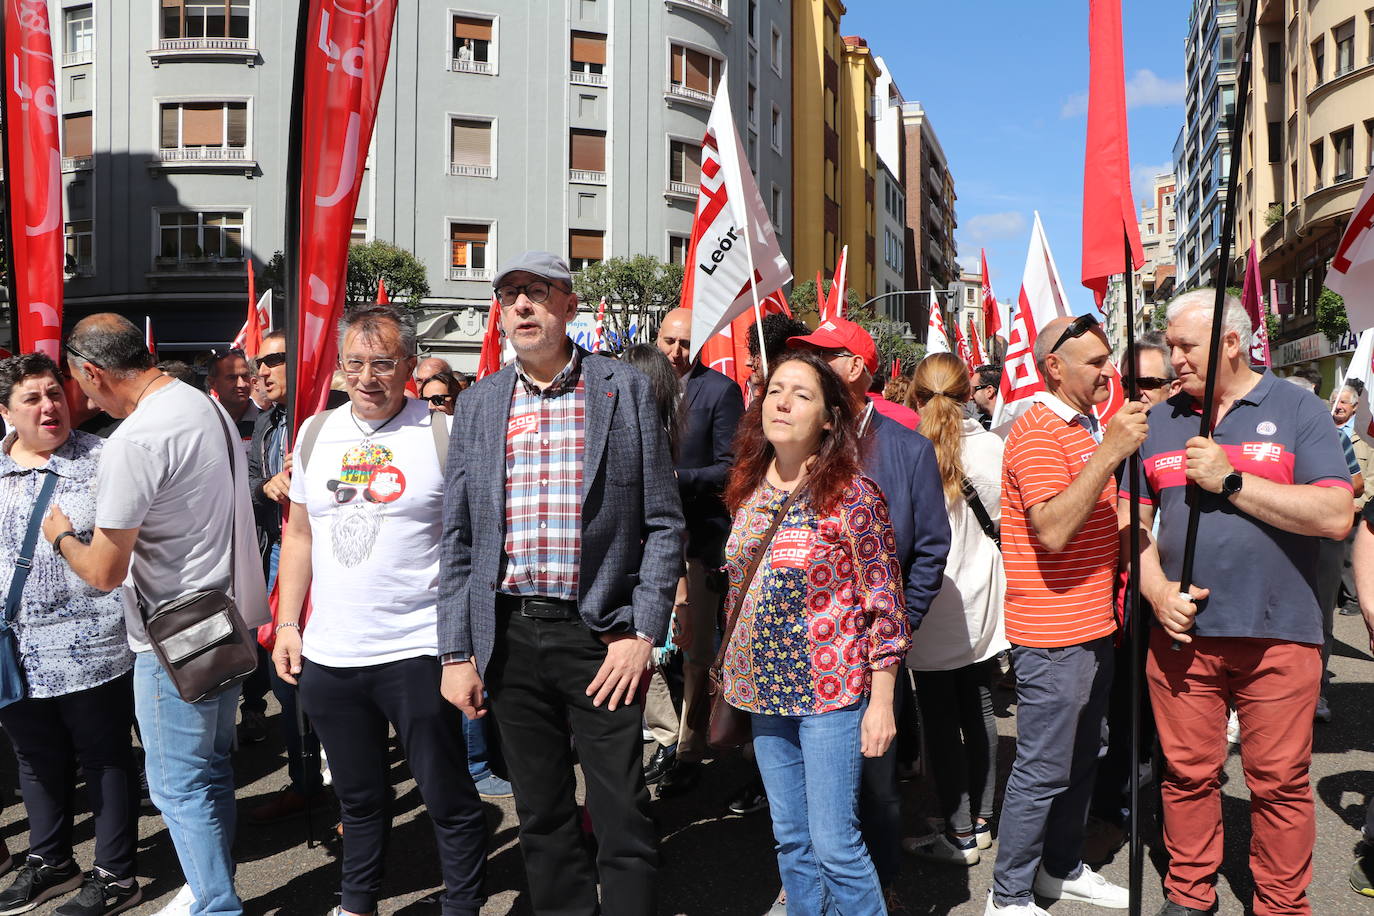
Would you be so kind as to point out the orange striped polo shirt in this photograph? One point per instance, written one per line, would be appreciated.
(1065, 598)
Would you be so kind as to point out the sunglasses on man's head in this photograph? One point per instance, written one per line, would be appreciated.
(1077, 328)
(272, 360)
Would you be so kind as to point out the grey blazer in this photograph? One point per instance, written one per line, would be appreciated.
(632, 527)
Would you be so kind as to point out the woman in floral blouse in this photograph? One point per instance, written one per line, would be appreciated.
(821, 630)
(73, 648)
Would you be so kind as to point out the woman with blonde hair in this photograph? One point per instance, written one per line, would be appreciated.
(955, 657)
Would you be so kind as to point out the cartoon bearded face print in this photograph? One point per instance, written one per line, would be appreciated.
(367, 482)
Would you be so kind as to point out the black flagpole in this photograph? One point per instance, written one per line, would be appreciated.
(290, 255)
(1219, 309)
(1133, 621)
(12, 283)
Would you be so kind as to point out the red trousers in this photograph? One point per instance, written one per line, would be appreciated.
(1273, 687)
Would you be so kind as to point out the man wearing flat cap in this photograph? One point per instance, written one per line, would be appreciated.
(561, 553)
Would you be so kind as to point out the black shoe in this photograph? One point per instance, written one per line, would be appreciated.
(1177, 909)
(680, 780)
(1350, 610)
(749, 800)
(252, 727)
(35, 883)
(100, 896)
(661, 762)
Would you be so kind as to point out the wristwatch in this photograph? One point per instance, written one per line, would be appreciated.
(57, 542)
(1230, 486)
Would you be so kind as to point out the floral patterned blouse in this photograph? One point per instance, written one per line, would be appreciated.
(71, 636)
(825, 609)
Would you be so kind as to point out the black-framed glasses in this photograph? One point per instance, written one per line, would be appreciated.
(81, 356)
(537, 291)
(272, 360)
(1151, 382)
(1077, 328)
(438, 400)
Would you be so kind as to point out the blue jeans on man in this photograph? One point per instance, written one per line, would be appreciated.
(1061, 704)
(191, 781)
(811, 766)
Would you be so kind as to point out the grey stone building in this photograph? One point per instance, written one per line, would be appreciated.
(570, 125)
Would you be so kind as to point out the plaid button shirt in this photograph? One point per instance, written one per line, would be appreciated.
(545, 432)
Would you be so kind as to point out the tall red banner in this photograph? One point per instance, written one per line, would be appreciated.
(348, 43)
(33, 176)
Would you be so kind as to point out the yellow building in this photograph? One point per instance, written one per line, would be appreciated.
(834, 163)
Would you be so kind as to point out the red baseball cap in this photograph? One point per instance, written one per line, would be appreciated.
(840, 334)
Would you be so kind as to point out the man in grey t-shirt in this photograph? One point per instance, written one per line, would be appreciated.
(172, 510)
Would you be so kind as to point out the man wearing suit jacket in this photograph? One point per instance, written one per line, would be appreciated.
(561, 552)
(712, 407)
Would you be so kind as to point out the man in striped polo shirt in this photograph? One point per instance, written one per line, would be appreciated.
(1060, 547)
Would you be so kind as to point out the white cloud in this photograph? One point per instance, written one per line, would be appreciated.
(988, 226)
(1143, 90)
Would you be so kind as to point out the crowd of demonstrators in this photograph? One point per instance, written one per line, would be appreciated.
(1346, 401)
(525, 576)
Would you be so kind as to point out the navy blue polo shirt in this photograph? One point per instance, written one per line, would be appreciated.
(1263, 580)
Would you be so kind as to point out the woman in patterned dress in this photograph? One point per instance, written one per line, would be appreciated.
(79, 703)
(821, 631)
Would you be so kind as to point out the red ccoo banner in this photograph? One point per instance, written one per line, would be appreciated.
(33, 176)
(346, 50)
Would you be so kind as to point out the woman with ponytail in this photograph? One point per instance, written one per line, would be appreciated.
(955, 657)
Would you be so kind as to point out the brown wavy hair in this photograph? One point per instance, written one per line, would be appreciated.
(836, 462)
(939, 389)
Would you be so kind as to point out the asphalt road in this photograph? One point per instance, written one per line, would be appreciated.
(716, 865)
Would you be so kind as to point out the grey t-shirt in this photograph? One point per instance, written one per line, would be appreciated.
(165, 471)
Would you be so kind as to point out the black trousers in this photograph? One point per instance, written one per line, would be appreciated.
(350, 709)
(961, 737)
(880, 797)
(51, 737)
(537, 682)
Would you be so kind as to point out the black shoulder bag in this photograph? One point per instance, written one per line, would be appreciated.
(980, 512)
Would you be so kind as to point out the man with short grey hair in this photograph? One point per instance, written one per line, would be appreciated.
(163, 520)
(1345, 404)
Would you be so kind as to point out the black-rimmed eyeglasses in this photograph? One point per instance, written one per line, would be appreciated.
(536, 291)
(1077, 328)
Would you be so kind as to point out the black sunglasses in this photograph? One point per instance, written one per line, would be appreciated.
(1077, 328)
(438, 400)
(272, 360)
(81, 356)
(1151, 382)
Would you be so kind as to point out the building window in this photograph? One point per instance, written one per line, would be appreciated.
(1369, 145)
(1275, 141)
(1318, 154)
(359, 234)
(1149, 228)
(199, 131)
(80, 236)
(474, 48)
(79, 34)
(199, 238)
(775, 130)
(585, 247)
(589, 58)
(775, 51)
(830, 180)
(78, 90)
(677, 249)
(695, 74)
(1318, 61)
(1171, 225)
(684, 166)
(1273, 69)
(753, 20)
(203, 19)
(468, 251)
(753, 97)
(76, 139)
(1369, 14)
(775, 206)
(1344, 36)
(587, 156)
(752, 151)
(470, 148)
(1343, 152)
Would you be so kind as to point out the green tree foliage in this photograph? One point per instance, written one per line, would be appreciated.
(403, 273)
(639, 291)
(1331, 317)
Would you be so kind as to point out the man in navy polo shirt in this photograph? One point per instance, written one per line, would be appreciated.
(1273, 481)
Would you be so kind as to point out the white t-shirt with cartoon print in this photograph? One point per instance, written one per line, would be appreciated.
(376, 515)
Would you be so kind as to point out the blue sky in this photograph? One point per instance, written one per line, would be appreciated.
(1005, 85)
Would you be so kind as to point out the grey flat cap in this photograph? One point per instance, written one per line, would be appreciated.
(540, 263)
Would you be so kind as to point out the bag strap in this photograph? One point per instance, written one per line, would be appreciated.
(439, 427)
(233, 493)
(748, 579)
(980, 512)
(24, 562)
(311, 432)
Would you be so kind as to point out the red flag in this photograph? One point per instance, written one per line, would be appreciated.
(346, 53)
(896, 367)
(382, 297)
(259, 320)
(992, 312)
(1116, 397)
(489, 360)
(975, 346)
(148, 339)
(1109, 217)
(961, 347)
(838, 298)
(728, 351)
(33, 177)
(1252, 297)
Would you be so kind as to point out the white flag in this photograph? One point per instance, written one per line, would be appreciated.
(731, 225)
(264, 321)
(1362, 368)
(1041, 301)
(1352, 269)
(937, 341)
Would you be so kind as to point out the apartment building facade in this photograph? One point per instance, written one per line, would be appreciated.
(1153, 282)
(504, 126)
(932, 255)
(892, 227)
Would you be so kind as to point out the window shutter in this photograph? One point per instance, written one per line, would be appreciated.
(202, 124)
(471, 142)
(698, 71)
(677, 64)
(472, 27)
(588, 150)
(691, 163)
(588, 48)
(77, 141)
(171, 115)
(586, 243)
(238, 125)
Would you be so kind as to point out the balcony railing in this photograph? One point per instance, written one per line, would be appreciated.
(203, 44)
(469, 273)
(686, 92)
(683, 189)
(190, 264)
(485, 67)
(583, 78)
(77, 163)
(586, 176)
(72, 58)
(716, 7)
(472, 171)
(204, 154)
(85, 268)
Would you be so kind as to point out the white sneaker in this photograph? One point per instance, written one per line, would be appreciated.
(1088, 887)
(1233, 729)
(1013, 909)
(940, 848)
(326, 776)
(181, 904)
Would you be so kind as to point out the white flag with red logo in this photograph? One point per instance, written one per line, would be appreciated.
(1041, 301)
(599, 329)
(976, 353)
(1352, 269)
(731, 230)
(961, 347)
(937, 341)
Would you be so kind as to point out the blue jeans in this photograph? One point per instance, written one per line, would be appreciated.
(811, 766)
(479, 748)
(191, 781)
